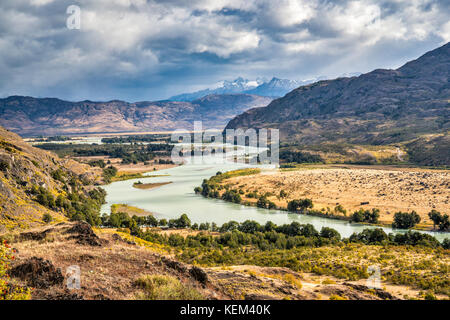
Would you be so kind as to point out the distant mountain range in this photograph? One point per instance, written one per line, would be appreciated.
(274, 88)
(410, 105)
(382, 106)
(51, 116)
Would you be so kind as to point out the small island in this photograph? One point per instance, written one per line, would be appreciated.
(146, 186)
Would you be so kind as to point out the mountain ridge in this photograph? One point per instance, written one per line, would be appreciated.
(275, 87)
(52, 116)
(380, 107)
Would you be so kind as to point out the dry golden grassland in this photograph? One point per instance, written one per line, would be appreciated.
(389, 189)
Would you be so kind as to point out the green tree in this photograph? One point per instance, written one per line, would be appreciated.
(330, 233)
(300, 205)
(229, 226)
(442, 221)
(436, 217)
(270, 226)
(183, 221)
(405, 220)
(250, 226)
(151, 221)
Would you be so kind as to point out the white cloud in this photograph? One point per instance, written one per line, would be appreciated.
(157, 42)
(292, 12)
(445, 32)
(40, 2)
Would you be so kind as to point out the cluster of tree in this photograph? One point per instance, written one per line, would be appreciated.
(249, 232)
(252, 194)
(128, 153)
(300, 205)
(440, 220)
(77, 206)
(98, 163)
(405, 220)
(299, 157)
(231, 196)
(270, 236)
(58, 138)
(109, 173)
(165, 161)
(205, 226)
(182, 222)
(53, 138)
(123, 220)
(138, 139)
(147, 153)
(378, 236)
(211, 189)
(368, 216)
(265, 203)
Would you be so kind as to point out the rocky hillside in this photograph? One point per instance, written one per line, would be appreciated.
(380, 107)
(34, 182)
(49, 116)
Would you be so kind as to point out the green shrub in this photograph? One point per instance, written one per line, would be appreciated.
(4, 165)
(109, 173)
(47, 217)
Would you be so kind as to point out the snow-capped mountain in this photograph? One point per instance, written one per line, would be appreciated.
(239, 85)
(274, 88)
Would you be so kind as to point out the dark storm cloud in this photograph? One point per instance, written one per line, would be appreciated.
(138, 49)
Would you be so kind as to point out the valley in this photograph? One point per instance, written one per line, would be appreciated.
(263, 253)
(362, 185)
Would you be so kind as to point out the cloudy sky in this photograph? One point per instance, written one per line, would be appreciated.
(149, 49)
